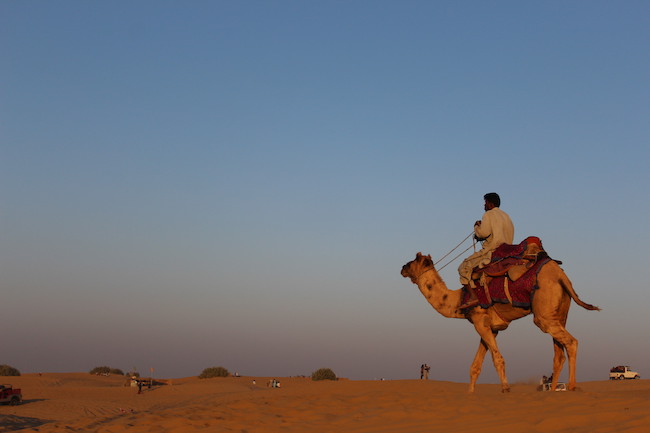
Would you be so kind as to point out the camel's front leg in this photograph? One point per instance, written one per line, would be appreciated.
(477, 364)
(489, 337)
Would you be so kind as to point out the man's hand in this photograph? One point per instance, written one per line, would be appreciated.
(477, 223)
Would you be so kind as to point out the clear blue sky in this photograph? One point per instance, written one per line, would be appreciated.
(238, 183)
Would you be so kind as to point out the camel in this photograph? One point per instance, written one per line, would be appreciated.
(550, 308)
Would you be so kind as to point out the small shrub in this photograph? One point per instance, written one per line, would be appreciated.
(101, 370)
(323, 374)
(214, 372)
(7, 370)
(106, 371)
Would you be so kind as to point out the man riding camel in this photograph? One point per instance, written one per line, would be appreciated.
(494, 229)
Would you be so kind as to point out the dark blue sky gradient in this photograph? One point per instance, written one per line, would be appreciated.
(238, 183)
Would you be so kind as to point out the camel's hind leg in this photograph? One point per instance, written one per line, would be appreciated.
(558, 362)
(562, 340)
(551, 305)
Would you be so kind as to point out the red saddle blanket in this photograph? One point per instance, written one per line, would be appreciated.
(505, 251)
(521, 291)
(530, 245)
(507, 256)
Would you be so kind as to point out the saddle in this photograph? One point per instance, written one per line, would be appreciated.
(512, 260)
(511, 275)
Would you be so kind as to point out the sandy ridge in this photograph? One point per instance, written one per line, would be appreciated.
(78, 402)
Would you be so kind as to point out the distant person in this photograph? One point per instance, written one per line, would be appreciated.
(426, 371)
(494, 229)
(422, 371)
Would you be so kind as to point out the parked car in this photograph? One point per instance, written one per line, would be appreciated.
(622, 372)
(10, 395)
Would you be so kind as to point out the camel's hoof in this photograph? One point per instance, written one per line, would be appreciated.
(504, 390)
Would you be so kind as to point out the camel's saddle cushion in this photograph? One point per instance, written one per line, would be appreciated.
(511, 276)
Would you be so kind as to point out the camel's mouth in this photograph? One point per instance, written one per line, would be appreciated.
(412, 268)
(407, 272)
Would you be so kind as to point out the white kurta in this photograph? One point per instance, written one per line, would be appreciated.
(497, 228)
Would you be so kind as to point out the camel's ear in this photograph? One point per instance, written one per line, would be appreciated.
(418, 255)
(429, 257)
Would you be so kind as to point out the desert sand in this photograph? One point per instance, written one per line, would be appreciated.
(80, 402)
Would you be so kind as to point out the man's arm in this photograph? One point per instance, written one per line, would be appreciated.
(483, 228)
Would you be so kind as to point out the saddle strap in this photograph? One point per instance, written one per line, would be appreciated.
(506, 290)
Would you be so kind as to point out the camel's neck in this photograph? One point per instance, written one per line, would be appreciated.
(443, 300)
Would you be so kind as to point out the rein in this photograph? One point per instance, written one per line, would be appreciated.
(454, 249)
(425, 271)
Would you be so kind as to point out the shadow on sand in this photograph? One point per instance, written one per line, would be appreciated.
(13, 422)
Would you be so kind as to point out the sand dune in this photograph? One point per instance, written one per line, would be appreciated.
(79, 402)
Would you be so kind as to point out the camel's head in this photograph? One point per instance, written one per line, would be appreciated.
(415, 268)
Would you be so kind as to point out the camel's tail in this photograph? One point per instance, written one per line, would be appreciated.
(566, 284)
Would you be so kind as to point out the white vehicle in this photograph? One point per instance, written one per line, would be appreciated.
(622, 372)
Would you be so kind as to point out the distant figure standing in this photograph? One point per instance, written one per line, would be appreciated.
(424, 371)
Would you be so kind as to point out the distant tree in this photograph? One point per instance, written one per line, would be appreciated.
(7, 370)
(101, 370)
(105, 371)
(323, 374)
(214, 372)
